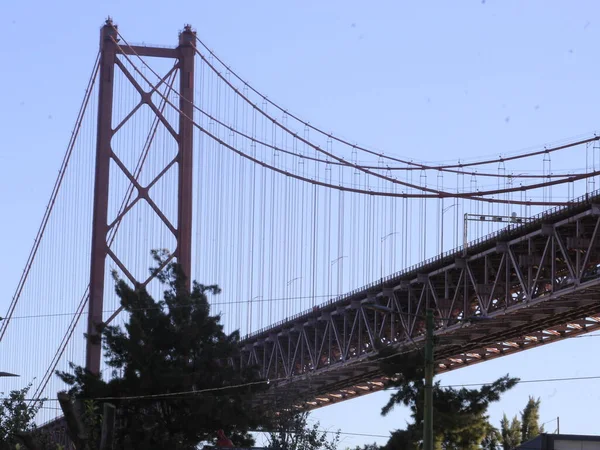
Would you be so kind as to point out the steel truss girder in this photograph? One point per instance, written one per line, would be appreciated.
(534, 284)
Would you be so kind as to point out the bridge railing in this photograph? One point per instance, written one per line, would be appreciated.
(534, 220)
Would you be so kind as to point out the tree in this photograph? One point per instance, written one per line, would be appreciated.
(492, 439)
(16, 417)
(511, 432)
(372, 446)
(460, 414)
(174, 359)
(408, 439)
(530, 420)
(292, 432)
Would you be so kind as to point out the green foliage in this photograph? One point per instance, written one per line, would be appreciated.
(530, 418)
(16, 416)
(460, 414)
(170, 346)
(92, 420)
(492, 439)
(511, 432)
(292, 432)
(408, 439)
(372, 446)
(516, 431)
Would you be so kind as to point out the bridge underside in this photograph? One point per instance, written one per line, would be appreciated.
(528, 285)
(523, 287)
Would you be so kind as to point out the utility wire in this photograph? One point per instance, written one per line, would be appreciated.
(191, 394)
(345, 433)
(541, 380)
(215, 304)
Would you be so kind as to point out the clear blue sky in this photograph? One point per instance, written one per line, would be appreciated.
(431, 80)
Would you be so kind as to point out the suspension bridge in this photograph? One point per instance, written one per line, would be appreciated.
(324, 249)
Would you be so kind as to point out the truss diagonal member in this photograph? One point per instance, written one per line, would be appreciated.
(541, 265)
(433, 293)
(143, 193)
(368, 327)
(336, 335)
(457, 290)
(146, 97)
(130, 204)
(142, 102)
(323, 341)
(272, 355)
(563, 250)
(161, 173)
(118, 262)
(403, 320)
(284, 360)
(421, 303)
(118, 219)
(159, 269)
(590, 247)
(496, 279)
(162, 265)
(519, 273)
(311, 354)
(387, 316)
(125, 204)
(475, 289)
(127, 117)
(351, 335)
(296, 350)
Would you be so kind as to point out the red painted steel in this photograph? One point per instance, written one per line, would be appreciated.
(182, 232)
(101, 184)
(187, 42)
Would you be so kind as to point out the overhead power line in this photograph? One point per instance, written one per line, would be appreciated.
(194, 393)
(541, 380)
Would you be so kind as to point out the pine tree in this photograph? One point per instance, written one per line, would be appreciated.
(170, 346)
(530, 420)
(460, 419)
(511, 432)
(492, 439)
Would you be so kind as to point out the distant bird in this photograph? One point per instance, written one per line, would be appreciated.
(222, 440)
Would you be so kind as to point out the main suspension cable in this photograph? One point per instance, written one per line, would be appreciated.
(478, 196)
(379, 154)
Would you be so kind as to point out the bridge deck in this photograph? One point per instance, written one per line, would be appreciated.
(534, 283)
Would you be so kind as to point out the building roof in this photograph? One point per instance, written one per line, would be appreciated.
(547, 441)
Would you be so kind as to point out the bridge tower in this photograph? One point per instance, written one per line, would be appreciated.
(183, 56)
